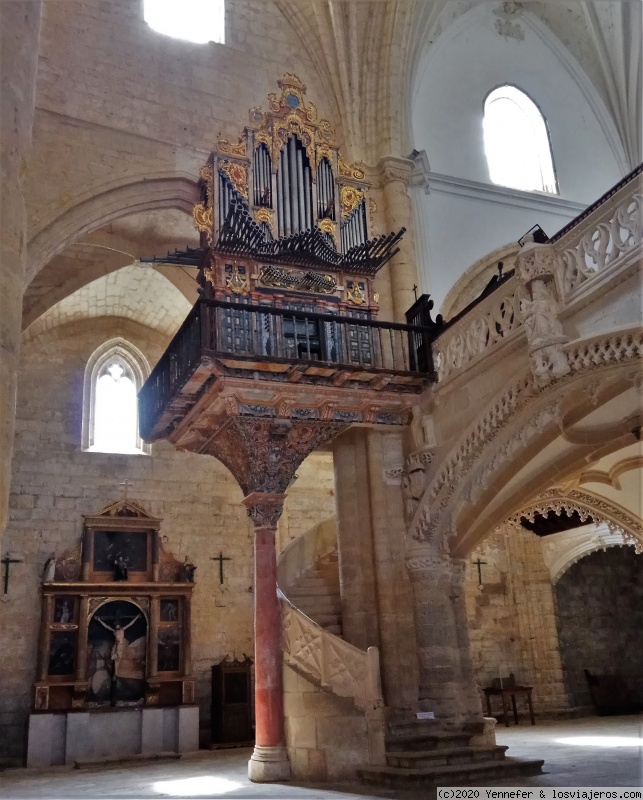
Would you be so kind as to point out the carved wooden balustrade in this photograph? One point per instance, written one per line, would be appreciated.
(584, 255)
(295, 347)
(330, 662)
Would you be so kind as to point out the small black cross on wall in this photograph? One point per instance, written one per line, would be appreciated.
(7, 561)
(220, 558)
(479, 564)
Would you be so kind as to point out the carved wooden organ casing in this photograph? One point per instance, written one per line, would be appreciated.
(284, 220)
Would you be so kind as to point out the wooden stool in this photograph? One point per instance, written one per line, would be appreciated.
(504, 694)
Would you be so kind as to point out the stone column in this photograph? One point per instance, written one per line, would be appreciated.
(269, 761)
(395, 178)
(446, 676)
(19, 42)
(469, 693)
(355, 541)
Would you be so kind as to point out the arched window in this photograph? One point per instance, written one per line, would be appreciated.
(516, 142)
(198, 21)
(113, 376)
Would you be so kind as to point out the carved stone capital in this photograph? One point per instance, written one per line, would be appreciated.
(427, 559)
(264, 509)
(536, 261)
(395, 169)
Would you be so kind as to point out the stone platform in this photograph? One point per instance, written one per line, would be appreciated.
(68, 737)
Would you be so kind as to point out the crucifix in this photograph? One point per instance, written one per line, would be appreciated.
(7, 560)
(126, 485)
(220, 558)
(479, 564)
(415, 291)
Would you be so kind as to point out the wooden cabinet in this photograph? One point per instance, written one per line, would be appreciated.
(232, 716)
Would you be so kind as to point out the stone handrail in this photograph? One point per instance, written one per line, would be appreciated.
(604, 238)
(489, 322)
(612, 230)
(328, 661)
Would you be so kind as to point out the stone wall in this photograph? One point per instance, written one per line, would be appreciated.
(599, 610)
(327, 737)
(55, 483)
(512, 618)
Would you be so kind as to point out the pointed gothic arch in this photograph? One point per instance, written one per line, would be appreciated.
(108, 404)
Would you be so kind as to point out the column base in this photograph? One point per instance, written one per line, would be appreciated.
(269, 764)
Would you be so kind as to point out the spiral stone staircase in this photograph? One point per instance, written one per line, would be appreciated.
(405, 753)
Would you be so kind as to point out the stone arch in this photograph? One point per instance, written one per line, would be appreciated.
(146, 193)
(586, 504)
(427, 45)
(475, 484)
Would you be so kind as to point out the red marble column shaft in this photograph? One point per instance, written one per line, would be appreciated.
(269, 703)
(265, 509)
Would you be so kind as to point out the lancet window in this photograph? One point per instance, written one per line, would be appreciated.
(113, 376)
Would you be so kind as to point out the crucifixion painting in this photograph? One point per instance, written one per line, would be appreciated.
(117, 638)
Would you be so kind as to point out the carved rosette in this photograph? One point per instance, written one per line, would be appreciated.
(264, 509)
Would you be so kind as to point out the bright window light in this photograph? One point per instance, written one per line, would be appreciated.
(516, 142)
(200, 786)
(603, 741)
(198, 21)
(115, 411)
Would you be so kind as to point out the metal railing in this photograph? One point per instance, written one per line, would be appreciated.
(267, 334)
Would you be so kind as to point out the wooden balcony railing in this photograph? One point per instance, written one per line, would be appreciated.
(265, 335)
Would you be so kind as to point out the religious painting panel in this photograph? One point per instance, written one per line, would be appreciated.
(169, 610)
(65, 610)
(116, 654)
(169, 649)
(120, 552)
(62, 653)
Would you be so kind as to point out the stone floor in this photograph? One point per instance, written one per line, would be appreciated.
(578, 753)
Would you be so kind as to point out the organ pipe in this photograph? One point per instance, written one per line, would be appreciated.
(325, 193)
(294, 189)
(261, 168)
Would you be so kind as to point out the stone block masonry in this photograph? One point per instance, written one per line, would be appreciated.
(55, 483)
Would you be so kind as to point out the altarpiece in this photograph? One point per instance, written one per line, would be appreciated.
(116, 612)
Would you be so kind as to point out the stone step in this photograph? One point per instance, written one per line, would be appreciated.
(324, 619)
(428, 740)
(450, 774)
(304, 590)
(317, 605)
(443, 756)
(336, 629)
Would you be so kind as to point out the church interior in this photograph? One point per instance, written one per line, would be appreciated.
(320, 382)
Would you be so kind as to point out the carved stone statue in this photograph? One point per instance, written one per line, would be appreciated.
(187, 571)
(49, 573)
(541, 320)
(544, 334)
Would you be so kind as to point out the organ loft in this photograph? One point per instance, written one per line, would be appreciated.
(283, 350)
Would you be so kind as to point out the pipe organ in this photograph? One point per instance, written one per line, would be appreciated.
(281, 201)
